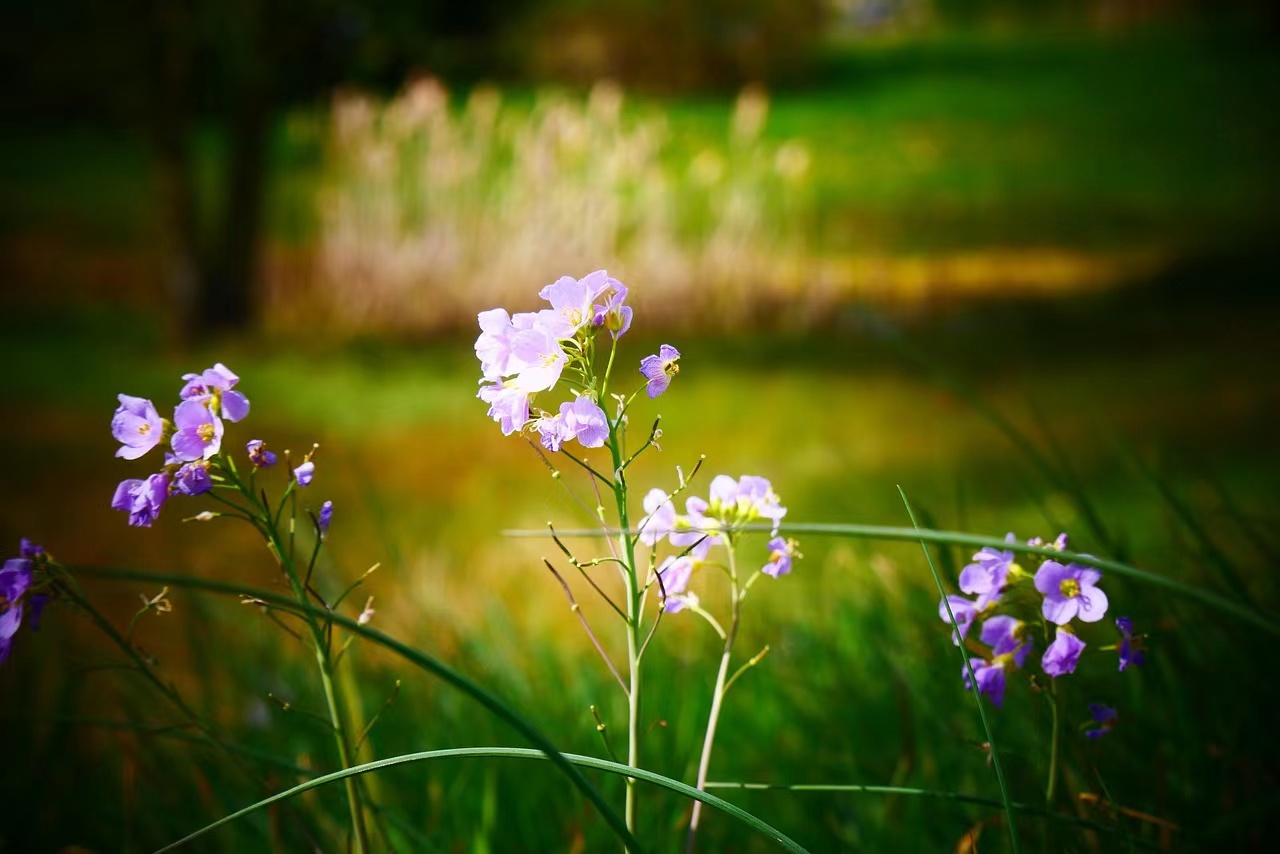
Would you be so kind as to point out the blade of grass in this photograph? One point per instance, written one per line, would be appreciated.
(783, 841)
(996, 762)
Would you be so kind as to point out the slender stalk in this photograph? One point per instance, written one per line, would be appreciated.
(1055, 702)
(717, 697)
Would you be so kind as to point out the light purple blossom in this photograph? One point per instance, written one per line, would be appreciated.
(1007, 636)
(990, 676)
(259, 455)
(136, 426)
(737, 502)
(15, 578)
(660, 518)
(1070, 591)
(781, 552)
(674, 575)
(324, 518)
(508, 405)
(683, 531)
(199, 431)
(1130, 651)
(213, 388)
(573, 300)
(579, 419)
(1105, 719)
(142, 499)
(1063, 654)
(539, 355)
(964, 610)
(660, 369)
(28, 549)
(193, 478)
(304, 473)
(988, 574)
(613, 314)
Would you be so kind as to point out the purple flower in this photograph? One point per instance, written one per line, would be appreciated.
(781, 552)
(259, 455)
(986, 577)
(304, 473)
(586, 421)
(28, 549)
(213, 388)
(15, 578)
(990, 676)
(199, 431)
(324, 518)
(508, 405)
(747, 499)
(1063, 654)
(193, 478)
(572, 300)
(1104, 720)
(1130, 651)
(142, 499)
(493, 347)
(660, 369)
(1070, 591)
(613, 315)
(660, 518)
(1007, 636)
(136, 426)
(674, 575)
(537, 355)
(963, 610)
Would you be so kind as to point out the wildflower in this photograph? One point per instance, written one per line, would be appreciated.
(193, 478)
(142, 499)
(1130, 652)
(213, 388)
(572, 301)
(1104, 720)
(579, 419)
(660, 518)
(136, 426)
(964, 611)
(199, 431)
(990, 676)
(1007, 636)
(987, 576)
(30, 550)
(781, 552)
(259, 455)
(674, 575)
(493, 347)
(15, 578)
(324, 518)
(537, 355)
(508, 405)
(613, 315)
(1063, 654)
(304, 473)
(660, 369)
(1070, 591)
(748, 499)
(1059, 543)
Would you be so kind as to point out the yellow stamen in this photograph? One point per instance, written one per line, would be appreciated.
(1070, 588)
(144, 429)
(205, 432)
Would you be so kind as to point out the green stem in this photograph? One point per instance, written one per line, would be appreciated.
(1055, 703)
(717, 697)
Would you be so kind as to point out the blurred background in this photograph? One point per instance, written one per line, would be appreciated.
(1018, 257)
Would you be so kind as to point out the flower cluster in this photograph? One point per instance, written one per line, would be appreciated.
(16, 579)
(192, 441)
(526, 354)
(708, 522)
(1008, 602)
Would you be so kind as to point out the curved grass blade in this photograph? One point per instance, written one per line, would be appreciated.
(426, 662)
(889, 532)
(973, 681)
(784, 841)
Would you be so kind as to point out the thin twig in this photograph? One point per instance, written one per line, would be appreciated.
(573, 606)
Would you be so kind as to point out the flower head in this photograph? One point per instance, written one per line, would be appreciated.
(136, 426)
(1063, 654)
(1007, 636)
(781, 552)
(660, 369)
(193, 478)
(324, 518)
(259, 455)
(1104, 720)
(987, 575)
(142, 499)
(573, 300)
(30, 550)
(1131, 649)
(304, 473)
(613, 314)
(990, 676)
(579, 419)
(674, 575)
(508, 405)
(199, 431)
(964, 610)
(213, 388)
(15, 578)
(1070, 591)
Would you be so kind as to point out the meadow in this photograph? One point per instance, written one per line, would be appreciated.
(1139, 417)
